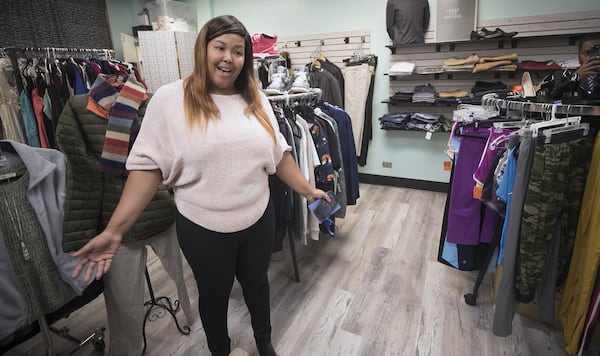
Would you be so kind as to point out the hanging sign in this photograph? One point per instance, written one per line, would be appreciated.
(455, 19)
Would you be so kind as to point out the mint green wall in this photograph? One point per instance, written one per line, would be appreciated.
(412, 156)
(122, 16)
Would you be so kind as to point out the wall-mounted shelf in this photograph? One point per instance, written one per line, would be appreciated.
(427, 105)
(497, 43)
(497, 74)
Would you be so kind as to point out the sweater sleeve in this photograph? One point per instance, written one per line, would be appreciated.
(154, 142)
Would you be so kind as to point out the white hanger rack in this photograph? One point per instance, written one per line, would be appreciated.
(492, 100)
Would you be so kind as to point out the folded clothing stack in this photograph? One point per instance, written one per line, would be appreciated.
(412, 121)
(475, 64)
(506, 62)
(401, 97)
(455, 97)
(402, 68)
(461, 64)
(481, 88)
(424, 94)
(539, 65)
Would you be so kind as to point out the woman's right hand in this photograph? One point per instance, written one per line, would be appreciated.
(97, 254)
(590, 66)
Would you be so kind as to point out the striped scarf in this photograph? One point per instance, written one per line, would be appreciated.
(121, 110)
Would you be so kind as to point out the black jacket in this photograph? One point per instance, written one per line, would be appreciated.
(407, 20)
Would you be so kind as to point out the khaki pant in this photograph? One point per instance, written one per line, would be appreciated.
(125, 286)
(357, 80)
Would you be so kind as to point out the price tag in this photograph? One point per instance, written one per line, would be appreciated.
(428, 136)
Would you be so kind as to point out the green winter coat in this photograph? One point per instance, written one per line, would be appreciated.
(92, 195)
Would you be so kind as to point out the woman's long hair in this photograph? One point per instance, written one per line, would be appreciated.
(199, 106)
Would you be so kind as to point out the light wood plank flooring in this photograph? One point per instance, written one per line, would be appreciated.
(374, 289)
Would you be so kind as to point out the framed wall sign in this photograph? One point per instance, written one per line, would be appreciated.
(455, 19)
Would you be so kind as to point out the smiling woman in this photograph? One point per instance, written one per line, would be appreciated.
(225, 220)
(225, 59)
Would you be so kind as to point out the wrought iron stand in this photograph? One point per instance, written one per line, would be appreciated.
(164, 305)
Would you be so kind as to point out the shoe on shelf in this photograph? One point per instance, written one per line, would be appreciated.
(485, 34)
(505, 34)
(278, 82)
(527, 84)
(264, 45)
(300, 83)
(239, 352)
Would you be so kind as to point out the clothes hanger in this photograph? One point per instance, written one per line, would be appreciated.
(585, 127)
(553, 122)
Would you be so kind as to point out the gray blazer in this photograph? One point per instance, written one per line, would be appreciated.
(46, 194)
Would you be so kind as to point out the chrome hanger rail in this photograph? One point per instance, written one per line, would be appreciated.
(492, 100)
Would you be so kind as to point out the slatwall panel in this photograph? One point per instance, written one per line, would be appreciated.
(572, 22)
(336, 46)
(557, 48)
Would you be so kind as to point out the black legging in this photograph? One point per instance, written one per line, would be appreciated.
(215, 258)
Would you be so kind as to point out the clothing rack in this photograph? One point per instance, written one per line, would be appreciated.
(492, 100)
(314, 94)
(51, 52)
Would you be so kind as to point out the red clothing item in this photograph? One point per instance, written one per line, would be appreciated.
(38, 107)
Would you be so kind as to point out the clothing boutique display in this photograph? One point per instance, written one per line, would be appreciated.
(522, 178)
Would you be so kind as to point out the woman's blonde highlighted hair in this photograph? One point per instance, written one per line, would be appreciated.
(199, 106)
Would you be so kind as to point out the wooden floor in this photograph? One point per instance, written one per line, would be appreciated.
(374, 289)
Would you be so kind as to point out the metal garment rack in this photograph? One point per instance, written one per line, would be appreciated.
(493, 101)
(313, 95)
(51, 52)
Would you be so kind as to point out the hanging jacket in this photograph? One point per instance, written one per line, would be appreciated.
(92, 196)
(407, 21)
(46, 196)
